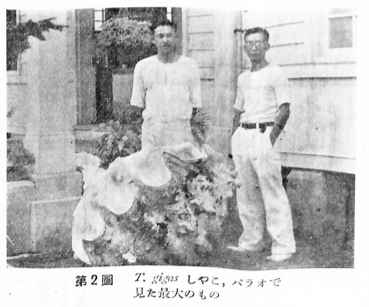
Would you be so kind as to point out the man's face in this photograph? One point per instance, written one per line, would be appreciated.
(256, 46)
(164, 38)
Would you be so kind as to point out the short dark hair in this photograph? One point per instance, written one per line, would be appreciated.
(257, 30)
(163, 23)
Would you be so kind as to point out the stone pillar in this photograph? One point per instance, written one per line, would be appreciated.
(85, 70)
(225, 83)
(51, 105)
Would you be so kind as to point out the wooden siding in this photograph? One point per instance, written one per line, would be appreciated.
(201, 24)
(321, 131)
(324, 110)
(204, 58)
(196, 12)
(201, 41)
(207, 94)
(209, 39)
(288, 34)
(198, 42)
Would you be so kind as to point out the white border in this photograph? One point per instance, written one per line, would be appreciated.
(301, 287)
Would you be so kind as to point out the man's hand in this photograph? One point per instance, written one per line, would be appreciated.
(236, 120)
(273, 136)
(280, 122)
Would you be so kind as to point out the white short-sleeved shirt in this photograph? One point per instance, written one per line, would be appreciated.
(167, 91)
(260, 93)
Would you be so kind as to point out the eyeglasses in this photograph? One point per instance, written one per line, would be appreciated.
(251, 44)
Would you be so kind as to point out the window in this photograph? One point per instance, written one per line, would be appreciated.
(169, 13)
(139, 13)
(11, 58)
(341, 28)
(99, 19)
(102, 15)
(333, 34)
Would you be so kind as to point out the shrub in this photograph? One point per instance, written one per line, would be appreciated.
(126, 41)
(200, 124)
(19, 161)
(122, 137)
(17, 34)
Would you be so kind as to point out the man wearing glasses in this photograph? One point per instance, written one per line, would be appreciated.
(261, 112)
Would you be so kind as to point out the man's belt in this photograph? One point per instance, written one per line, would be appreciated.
(256, 125)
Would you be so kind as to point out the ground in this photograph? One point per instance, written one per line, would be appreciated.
(308, 255)
(311, 253)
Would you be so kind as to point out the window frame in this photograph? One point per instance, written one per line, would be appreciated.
(344, 54)
(16, 72)
(102, 10)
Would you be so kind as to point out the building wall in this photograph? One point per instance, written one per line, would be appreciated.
(320, 133)
(17, 92)
(208, 38)
(83, 70)
(20, 94)
(198, 44)
(47, 85)
(318, 141)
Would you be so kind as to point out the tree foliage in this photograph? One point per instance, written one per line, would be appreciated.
(121, 139)
(126, 41)
(200, 124)
(19, 161)
(17, 34)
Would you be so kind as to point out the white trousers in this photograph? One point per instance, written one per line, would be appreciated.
(261, 199)
(157, 133)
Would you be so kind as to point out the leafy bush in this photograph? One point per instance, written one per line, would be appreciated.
(17, 34)
(126, 41)
(200, 124)
(122, 137)
(19, 161)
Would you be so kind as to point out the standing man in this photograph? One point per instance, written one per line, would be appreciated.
(167, 87)
(261, 112)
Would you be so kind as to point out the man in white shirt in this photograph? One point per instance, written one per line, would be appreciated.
(167, 87)
(261, 112)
